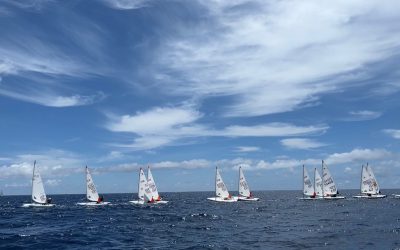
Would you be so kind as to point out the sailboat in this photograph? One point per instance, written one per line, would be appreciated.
(39, 198)
(318, 184)
(144, 193)
(221, 192)
(329, 190)
(309, 189)
(244, 190)
(92, 196)
(153, 188)
(369, 186)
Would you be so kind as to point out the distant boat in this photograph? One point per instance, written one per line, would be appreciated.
(92, 196)
(156, 198)
(309, 189)
(329, 190)
(39, 198)
(369, 185)
(144, 193)
(244, 190)
(221, 192)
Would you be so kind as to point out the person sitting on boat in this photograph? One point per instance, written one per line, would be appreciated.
(48, 200)
(228, 198)
(158, 198)
(313, 195)
(100, 199)
(251, 195)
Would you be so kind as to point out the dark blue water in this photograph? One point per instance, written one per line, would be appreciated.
(278, 221)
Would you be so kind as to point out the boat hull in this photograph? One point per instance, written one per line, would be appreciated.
(248, 199)
(397, 196)
(334, 197)
(141, 202)
(220, 199)
(93, 203)
(376, 196)
(37, 205)
(310, 198)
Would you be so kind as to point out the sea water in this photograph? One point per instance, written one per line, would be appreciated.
(278, 221)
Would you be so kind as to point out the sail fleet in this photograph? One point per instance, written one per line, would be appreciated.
(317, 188)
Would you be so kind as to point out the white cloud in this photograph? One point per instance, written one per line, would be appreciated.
(363, 115)
(301, 143)
(53, 182)
(358, 155)
(244, 149)
(51, 100)
(126, 4)
(50, 163)
(279, 56)
(166, 126)
(395, 133)
(347, 170)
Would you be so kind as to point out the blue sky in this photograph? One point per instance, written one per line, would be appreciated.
(184, 86)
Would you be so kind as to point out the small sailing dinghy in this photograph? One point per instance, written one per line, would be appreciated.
(156, 198)
(308, 187)
(144, 193)
(244, 190)
(92, 196)
(329, 190)
(369, 185)
(39, 198)
(221, 192)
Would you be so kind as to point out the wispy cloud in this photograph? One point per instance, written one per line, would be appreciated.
(301, 143)
(278, 56)
(395, 133)
(126, 4)
(245, 149)
(363, 115)
(165, 126)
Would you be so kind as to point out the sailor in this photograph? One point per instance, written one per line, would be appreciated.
(314, 195)
(48, 200)
(100, 199)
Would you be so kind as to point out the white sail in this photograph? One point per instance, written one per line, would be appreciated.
(220, 188)
(91, 192)
(369, 185)
(144, 192)
(38, 194)
(244, 189)
(152, 185)
(318, 183)
(308, 188)
(329, 187)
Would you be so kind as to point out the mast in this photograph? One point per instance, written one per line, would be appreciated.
(239, 182)
(86, 172)
(140, 171)
(323, 193)
(33, 177)
(315, 186)
(303, 180)
(216, 170)
(362, 170)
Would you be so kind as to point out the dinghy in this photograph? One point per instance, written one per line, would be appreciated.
(309, 192)
(156, 198)
(39, 198)
(144, 193)
(92, 196)
(329, 190)
(221, 192)
(369, 185)
(244, 190)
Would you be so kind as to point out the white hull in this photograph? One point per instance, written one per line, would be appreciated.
(396, 196)
(220, 199)
(310, 198)
(248, 199)
(37, 205)
(93, 203)
(141, 202)
(374, 196)
(334, 197)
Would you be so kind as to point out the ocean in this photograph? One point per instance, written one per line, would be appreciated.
(189, 221)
